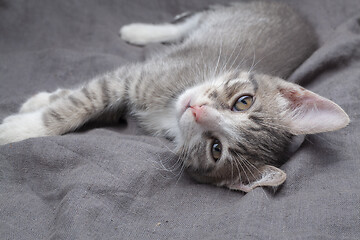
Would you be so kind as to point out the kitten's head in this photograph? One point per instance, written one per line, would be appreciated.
(234, 129)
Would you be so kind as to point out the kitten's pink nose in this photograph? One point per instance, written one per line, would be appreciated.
(198, 112)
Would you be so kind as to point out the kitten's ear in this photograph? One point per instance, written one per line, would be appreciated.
(307, 112)
(268, 176)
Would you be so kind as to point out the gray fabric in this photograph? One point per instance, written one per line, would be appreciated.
(109, 182)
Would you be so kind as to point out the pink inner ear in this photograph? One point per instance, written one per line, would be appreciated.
(310, 113)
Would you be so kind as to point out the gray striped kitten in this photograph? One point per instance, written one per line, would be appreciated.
(216, 93)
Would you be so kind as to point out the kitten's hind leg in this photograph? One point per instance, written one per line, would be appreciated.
(142, 33)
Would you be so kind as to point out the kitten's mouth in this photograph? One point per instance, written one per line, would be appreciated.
(185, 107)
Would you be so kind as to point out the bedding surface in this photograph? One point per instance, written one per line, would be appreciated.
(115, 182)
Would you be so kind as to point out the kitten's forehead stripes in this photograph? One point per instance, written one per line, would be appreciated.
(234, 89)
(237, 86)
(232, 76)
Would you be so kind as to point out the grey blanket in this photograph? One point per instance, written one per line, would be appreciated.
(111, 182)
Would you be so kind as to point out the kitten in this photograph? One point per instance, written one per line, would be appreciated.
(217, 93)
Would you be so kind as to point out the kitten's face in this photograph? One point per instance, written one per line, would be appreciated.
(233, 127)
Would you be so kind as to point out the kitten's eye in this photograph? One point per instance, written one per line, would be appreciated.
(243, 103)
(216, 148)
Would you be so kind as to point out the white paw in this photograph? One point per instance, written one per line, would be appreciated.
(22, 126)
(135, 33)
(36, 102)
(141, 34)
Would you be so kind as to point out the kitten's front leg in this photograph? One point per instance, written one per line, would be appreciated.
(67, 112)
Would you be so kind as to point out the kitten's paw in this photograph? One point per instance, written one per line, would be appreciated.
(22, 126)
(141, 34)
(36, 102)
(136, 33)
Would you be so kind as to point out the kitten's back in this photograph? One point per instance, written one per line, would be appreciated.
(271, 35)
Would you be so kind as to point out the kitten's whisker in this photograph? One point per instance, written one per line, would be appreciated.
(161, 168)
(172, 169)
(241, 62)
(218, 59)
(164, 145)
(236, 161)
(180, 174)
(229, 58)
(243, 170)
(232, 169)
(262, 58)
(247, 164)
(253, 67)
(242, 45)
(253, 47)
